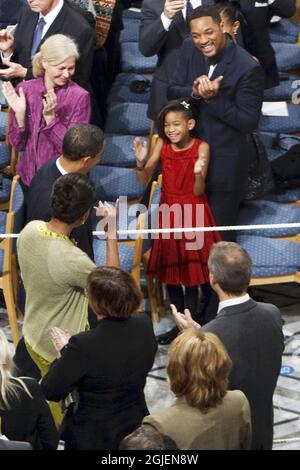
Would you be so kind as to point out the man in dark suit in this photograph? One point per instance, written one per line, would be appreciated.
(256, 31)
(60, 18)
(163, 29)
(227, 84)
(251, 332)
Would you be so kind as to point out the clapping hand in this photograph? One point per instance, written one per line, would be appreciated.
(141, 151)
(59, 338)
(49, 106)
(184, 320)
(16, 101)
(6, 41)
(206, 88)
(108, 217)
(200, 164)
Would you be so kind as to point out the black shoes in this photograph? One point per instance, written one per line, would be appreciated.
(167, 338)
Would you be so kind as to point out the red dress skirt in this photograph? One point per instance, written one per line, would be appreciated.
(182, 258)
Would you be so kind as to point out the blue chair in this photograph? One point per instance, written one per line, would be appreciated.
(132, 15)
(122, 93)
(282, 92)
(130, 33)
(277, 144)
(5, 192)
(3, 125)
(132, 59)
(282, 124)
(118, 151)
(12, 222)
(130, 255)
(274, 261)
(268, 212)
(127, 118)
(4, 155)
(287, 56)
(287, 196)
(284, 31)
(112, 182)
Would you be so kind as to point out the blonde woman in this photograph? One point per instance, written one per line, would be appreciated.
(205, 414)
(44, 108)
(24, 412)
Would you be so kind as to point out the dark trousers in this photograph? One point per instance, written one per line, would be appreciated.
(225, 208)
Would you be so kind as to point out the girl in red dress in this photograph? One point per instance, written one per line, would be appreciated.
(180, 259)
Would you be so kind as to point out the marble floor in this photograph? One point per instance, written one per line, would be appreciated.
(287, 394)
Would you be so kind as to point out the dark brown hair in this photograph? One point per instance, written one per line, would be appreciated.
(175, 106)
(113, 292)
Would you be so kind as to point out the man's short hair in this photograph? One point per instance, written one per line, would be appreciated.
(210, 11)
(82, 140)
(231, 266)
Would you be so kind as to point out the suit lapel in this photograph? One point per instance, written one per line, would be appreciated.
(227, 59)
(57, 25)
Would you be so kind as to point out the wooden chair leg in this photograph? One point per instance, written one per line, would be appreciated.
(9, 298)
(152, 299)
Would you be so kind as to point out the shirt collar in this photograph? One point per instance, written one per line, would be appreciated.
(50, 17)
(234, 301)
(60, 168)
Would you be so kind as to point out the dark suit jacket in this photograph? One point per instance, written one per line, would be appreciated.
(154, 39)
(109, 366)
(256, 32)
(14, 445)
(252, 335)
(68, 22)
(38, 205)
(29, 419)
(224, 121)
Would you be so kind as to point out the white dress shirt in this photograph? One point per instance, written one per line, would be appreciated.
(167, 22)
(60, 168)
(234, 301)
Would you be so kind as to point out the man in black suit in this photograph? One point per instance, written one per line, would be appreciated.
(82, 148)
(60, 18)
(227, 86)
(163, 29)
(251, 332)
(256, 31)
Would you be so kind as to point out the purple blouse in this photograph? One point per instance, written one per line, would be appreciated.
(37, 141)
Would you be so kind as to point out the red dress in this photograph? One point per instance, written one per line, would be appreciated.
(182, 258)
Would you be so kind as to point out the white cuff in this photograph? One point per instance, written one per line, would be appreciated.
(165, 21)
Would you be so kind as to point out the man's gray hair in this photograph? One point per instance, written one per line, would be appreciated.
(231, 266)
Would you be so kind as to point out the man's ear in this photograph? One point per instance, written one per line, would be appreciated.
(86, 160)
(191, 124)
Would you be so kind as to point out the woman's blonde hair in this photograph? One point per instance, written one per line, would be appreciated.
(198, 369)
(9, 385)
(56, 49)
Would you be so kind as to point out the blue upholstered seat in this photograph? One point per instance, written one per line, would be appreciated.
(125, 253)
(132, 59)
(277, 144)
(5, 189)
(132, 15)
(284, 124)
(283, 91)
(287, 56)
(3, 124)
(122, 93)
(112, 182)
(4, 155)
(127, 118)
(284, 31)
(271, 257)
(130, 33)
(289, 195)
(118, 151)
(268, 212)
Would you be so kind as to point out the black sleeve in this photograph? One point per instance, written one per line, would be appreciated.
(65, 373)
(181, 83)
(283, 8)
(152, 32)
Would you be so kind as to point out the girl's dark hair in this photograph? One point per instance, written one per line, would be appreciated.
(176, 106)
(229, 10)
(72, 196)
(113, 292)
